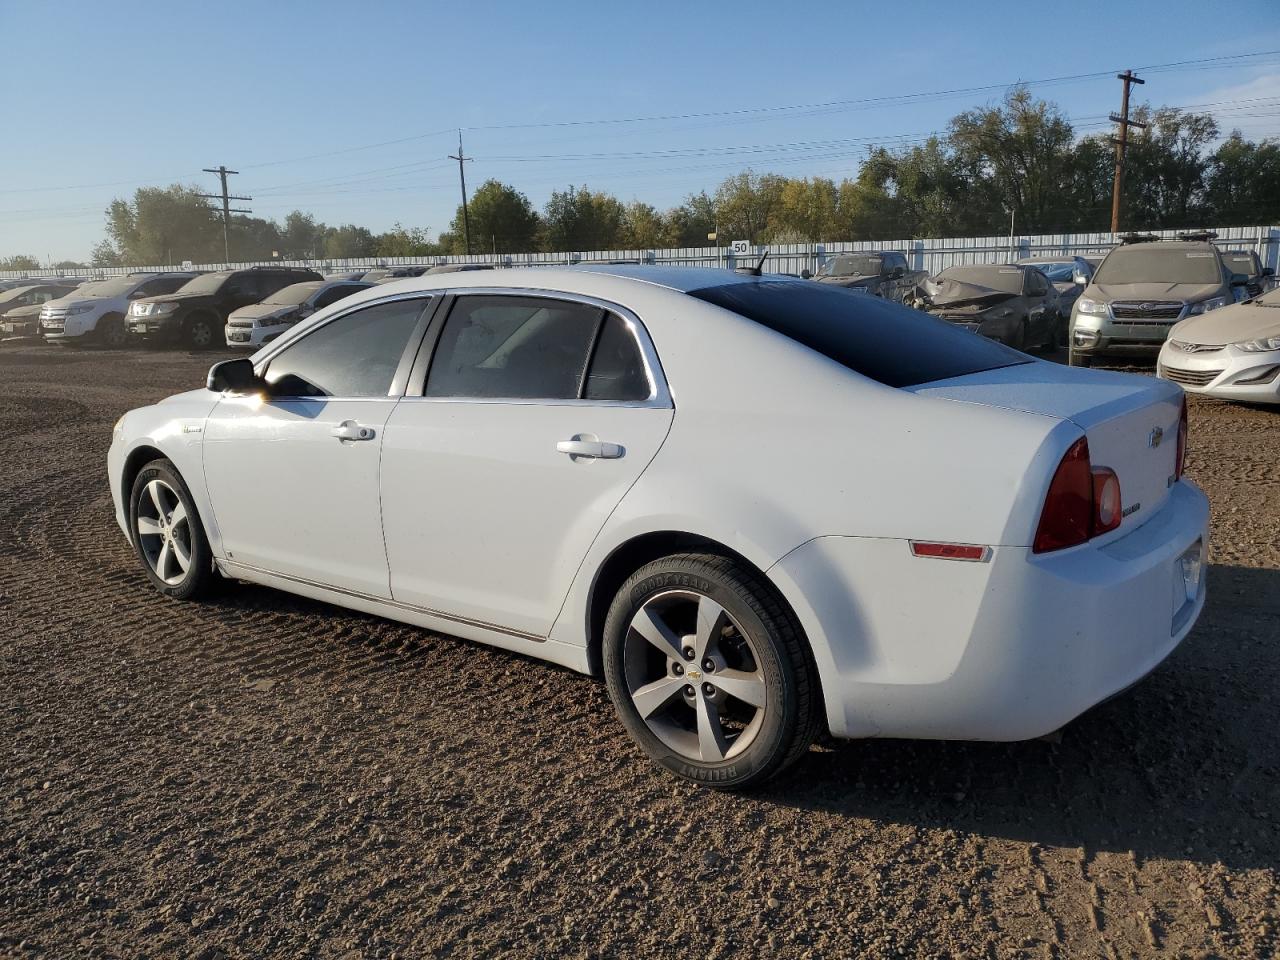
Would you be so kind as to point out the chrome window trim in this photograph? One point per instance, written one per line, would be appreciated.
(659, 392)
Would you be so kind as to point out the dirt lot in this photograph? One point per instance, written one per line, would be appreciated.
(267, 776)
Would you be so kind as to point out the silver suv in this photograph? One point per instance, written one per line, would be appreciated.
(95, 312)
(1142, 289)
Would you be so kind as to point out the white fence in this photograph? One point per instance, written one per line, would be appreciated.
(929, 255)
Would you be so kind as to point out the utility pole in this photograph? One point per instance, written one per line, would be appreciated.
(227, 211)
(462, 178)
(1122, 144)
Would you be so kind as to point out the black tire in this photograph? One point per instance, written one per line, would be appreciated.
(201, 331)
(111, 332)
(199, 575)
(1019, 339)
(791, 716)
(1053, 341)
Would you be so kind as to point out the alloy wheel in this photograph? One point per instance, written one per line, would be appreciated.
(201, 334)
(164, 532)
(694, 676)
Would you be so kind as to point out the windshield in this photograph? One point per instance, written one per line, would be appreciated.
(1004, 279)
(880, 339)
(1153, 263)
(107, 288)
(293, 295)
(851, 267)
(1057, 272)
(205, 283)
(13, 294)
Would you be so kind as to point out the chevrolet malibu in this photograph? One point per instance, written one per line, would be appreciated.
(759, 508)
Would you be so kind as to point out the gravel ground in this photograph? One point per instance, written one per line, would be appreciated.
(267, 776)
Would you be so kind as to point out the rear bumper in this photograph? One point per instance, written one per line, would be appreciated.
(1010, 649)
(1224, 373)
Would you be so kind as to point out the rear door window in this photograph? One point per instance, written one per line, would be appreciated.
(880, 339)
(514, 348)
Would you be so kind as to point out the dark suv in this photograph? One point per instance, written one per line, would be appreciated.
(195, 314)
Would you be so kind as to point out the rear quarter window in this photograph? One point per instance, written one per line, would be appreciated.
(882, 340)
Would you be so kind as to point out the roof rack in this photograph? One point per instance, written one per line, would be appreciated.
(277, 267)
(1203, 236)
(1138, 238)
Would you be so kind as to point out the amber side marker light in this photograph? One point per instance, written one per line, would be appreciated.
(950, 551)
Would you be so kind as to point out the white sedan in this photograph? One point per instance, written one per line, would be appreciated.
(1232, 353)
(758, 507)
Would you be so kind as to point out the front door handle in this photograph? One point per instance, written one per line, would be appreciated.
(586, 446)
(350, 430)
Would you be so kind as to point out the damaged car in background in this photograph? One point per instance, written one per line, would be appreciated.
(883, 274)
(1012, 303)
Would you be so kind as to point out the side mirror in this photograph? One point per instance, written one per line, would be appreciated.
(898, 272)
(1239, 279)
(1081, 279)
(235, 376)
(806, 274)
(1268, 272)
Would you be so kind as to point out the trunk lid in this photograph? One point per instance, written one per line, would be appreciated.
(1131, 421)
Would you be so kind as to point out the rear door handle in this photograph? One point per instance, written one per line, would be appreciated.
(586, 446)
(350, 430)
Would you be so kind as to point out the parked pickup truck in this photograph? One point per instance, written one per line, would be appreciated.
(882, 273)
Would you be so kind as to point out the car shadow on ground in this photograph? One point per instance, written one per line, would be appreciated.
(1185, 765)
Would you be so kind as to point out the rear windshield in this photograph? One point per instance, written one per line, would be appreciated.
(1154, 263)
(880, 339)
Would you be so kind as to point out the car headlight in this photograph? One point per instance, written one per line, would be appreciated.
(1204, 306)
(1261, 345)
(80, 308)
(118, 427)
(1095, 308)
(270, 321)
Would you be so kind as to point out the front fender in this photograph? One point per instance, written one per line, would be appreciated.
(173, 429)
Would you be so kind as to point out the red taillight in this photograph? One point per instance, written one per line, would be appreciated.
(1082, 502)
(1067, 517)
(1182, 441)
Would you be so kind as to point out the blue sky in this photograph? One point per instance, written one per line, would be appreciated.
(349, 111)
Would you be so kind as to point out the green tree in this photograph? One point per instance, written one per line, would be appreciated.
(1019, 156)
(404, 242)
(1243, 183)
(580, 219)
(105, 255)
(806, 210)
(1166, 170)
(19, 262)
(349, 240)
(162, 225)
(689, 224)
(643, 227)
(301, 237)
(746, 203)
(502, 220)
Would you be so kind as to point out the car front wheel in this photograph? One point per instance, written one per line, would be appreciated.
(200, 332)
(709, 672)
(167, 534)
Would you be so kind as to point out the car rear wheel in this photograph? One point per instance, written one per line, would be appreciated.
(167, 534)
(111, 332)
(709, 672)
(200, 332)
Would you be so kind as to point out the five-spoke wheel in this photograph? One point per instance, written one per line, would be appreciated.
(708, 670)
(167, 534)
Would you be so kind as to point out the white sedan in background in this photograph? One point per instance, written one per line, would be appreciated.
(1232, 353)
(259, 323)
(758, 507)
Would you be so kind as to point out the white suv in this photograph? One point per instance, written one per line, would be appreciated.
(95, 311)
